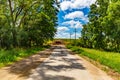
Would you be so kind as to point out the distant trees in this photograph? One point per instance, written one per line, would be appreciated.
(25, 23)
(103, 29)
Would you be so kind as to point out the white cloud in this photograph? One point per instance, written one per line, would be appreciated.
(75, 14)
(78, 25)
(67, 35)
(75, 4)
(59, 29)
(79, 15)
(73, 24)
(62, 35)
(65, 5)
(62, 32)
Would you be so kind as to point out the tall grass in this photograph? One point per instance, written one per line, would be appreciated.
(10, 56)
(110, 59)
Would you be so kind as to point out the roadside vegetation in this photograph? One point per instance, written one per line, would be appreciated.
(8, 57)
(110, 59)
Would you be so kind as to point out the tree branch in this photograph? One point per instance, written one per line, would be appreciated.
(11, 12)
(18, 13)
(26, 12)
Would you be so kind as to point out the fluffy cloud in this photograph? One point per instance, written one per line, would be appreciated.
(73, 24)
(63, 32)
(67, 35)
(65, 5)
(59, 29)
(62, 35)
(77, 15)
(73, 15)
(75, 4)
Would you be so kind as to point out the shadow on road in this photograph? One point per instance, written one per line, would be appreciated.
(59, 55)
(24, 66)
(72, 65)
(50, 77)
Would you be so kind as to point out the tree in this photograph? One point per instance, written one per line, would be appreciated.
(112, 23)
(27, 22)
(99, 32)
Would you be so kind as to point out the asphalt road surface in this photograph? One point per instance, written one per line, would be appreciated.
(62, 65)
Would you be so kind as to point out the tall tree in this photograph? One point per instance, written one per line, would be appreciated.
(27, 22)
(103, 29)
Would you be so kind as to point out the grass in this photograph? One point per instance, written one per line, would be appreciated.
(110, 59)
(10, 56)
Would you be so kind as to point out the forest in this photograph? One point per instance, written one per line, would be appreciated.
(103, 30)
(27, 23)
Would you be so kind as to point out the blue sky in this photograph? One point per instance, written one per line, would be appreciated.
(72, 14)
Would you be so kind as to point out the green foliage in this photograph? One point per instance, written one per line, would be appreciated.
(9, 56)
(26, 23)
(109, 59)
(103, 30)
(24, 26)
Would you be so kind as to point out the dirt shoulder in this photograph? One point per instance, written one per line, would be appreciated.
(22, 69)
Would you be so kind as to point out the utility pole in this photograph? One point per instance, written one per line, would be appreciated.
(70, 36)
(75, 35)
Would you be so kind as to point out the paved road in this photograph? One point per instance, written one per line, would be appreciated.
(64, 66)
